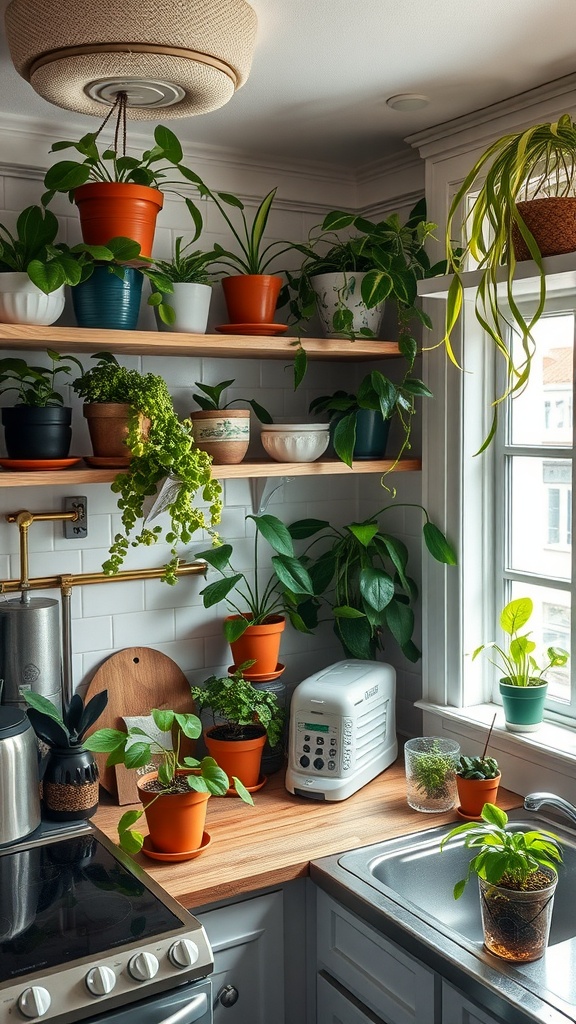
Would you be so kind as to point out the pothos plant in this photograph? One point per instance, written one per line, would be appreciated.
(166, 451)
(360, 575)
(32, 249)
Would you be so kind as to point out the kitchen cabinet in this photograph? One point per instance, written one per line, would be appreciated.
(458, 1009)
(152, 343)
(336, 1006)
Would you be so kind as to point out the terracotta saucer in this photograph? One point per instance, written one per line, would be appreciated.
(108, 462)
(260, 677)
(149, 850)
(467, 817)
(251, 789)
(39, 464)
(259, 329)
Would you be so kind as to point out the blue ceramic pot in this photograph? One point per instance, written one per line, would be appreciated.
(108, 302)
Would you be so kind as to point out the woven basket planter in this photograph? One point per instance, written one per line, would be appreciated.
(552, 222)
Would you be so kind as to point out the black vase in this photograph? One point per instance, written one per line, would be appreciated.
(371, 434)
(70, 784)
(35, 432)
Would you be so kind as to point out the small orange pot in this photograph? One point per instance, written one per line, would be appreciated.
(109, 209)
(474, 793)
(175, 820)
(251, 298)
(108, 426)
(260, 644)
(241, 758)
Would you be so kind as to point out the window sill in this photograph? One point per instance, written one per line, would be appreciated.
(544, 760)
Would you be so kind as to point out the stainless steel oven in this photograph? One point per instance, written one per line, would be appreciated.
(86, 935)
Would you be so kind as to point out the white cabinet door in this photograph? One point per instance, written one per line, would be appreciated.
(335, 1007)
(248, 946)
(457, 1009)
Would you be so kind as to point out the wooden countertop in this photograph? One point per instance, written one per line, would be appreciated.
(274, 841)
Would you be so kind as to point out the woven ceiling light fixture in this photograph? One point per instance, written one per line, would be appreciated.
(183, 57)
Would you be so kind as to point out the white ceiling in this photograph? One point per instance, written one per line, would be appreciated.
(323, 70)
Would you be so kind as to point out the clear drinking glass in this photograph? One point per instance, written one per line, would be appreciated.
(431, 773)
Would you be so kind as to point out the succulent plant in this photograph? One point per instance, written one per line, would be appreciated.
(66, 730)
(477, 768)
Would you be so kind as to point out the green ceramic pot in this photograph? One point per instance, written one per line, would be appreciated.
(523, 706)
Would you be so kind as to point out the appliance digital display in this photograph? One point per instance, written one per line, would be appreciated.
(70, 899)
(316, 728)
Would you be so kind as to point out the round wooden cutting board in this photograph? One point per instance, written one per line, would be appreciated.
(137, 679)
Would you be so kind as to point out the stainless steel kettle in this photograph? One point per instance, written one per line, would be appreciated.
(19, 778)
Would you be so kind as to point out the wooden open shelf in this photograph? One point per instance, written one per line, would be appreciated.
(157, 343)
(243, 470)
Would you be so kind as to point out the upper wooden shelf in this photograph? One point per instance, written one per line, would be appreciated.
(560, 279)
(243, 470)
(157, 343)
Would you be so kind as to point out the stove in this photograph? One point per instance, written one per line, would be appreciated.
(83, 930)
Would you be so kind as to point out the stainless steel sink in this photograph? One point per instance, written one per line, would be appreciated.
(414, 872)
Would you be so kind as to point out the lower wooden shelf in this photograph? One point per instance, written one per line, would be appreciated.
(244, 470)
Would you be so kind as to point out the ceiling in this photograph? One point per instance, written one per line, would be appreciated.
(323, 70)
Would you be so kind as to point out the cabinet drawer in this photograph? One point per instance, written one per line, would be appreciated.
(334, 1006)
(457, 1009)
(375, 970)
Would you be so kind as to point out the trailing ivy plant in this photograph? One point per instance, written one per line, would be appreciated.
(168, 450)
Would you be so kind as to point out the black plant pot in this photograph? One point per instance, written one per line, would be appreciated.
(70, 784)
(371, 434)
(33, 432)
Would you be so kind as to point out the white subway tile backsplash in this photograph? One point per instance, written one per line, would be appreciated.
(142, 628)
(94, 634)
(113, 598)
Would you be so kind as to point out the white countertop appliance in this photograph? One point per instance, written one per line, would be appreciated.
(86, 935)
(342, 729)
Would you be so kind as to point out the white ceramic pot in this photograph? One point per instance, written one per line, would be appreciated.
(21, 302)
(191, 304)
(295, 442)
(343, 291)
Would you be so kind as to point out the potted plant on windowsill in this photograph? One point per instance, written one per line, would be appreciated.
(360, 575)
(517, 875)
(175, 795)
(70, 773)
(247, 717)
(222, 432)
(165, 449)
(38, 426)
(523, 687)
(189, 305)
(254, 631)
(120, 195)
(525, 209)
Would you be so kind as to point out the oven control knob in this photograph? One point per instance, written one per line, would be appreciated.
(100, 980)
(34, 1001)
(183, 953)
(143, 966)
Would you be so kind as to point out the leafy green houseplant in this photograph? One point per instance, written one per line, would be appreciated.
(35, 385)
(374, 404)
(211, 400)
(218, 429)
(38, 425)
(177, 775)
(360, 574)
(525, 179)
(70, 774)
(188, 309)
(166, 451)
(517, 875)
(239, 705)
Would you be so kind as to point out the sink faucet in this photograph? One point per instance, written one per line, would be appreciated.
(534, 801)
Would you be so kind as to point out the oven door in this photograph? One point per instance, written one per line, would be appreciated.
(187, 1004)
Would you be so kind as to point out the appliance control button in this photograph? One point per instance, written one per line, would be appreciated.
(304, 761)
(306, 748)
(34, 1001)
(307, 737)
(183, 953)
(100, 980)
(318, 763)
(319, 741)
(332, 752)
(319, 751)
(143, 966)
(331, 765)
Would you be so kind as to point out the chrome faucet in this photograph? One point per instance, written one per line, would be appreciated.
(534, 801)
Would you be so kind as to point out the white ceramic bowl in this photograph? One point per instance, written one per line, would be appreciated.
(295, 442)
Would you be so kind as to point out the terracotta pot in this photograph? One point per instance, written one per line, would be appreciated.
(251, 298)
(260, 644)
(240, 758)
(552, 221)
(222, 433)
(108, 426)
(474, 793)
(110, 209)
(176, 821)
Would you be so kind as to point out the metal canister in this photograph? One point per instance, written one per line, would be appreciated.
(30, 650)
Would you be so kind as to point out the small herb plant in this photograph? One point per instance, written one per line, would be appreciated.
(504, 857)
(32, 250)
(35, 385)
(137, 748)
(167, 451)
(211, 399)
(254, 603)
(518, 664)
(240, 704)
(188, 266)
(66, 730)
(432, 771)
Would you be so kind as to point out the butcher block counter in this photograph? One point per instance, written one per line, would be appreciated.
(274, 841)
